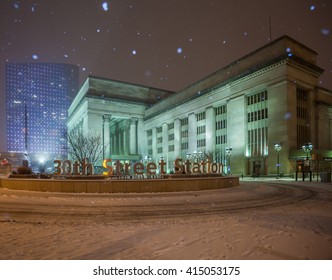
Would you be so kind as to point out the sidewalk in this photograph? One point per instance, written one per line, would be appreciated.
(313, 183)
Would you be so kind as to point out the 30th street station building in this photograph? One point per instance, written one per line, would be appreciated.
(234, 116)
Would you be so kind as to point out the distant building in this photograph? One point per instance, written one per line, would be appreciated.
(38, 96)
(234, 116)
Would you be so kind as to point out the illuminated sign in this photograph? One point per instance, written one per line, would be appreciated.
(66, 167)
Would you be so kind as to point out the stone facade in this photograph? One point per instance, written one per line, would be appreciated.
(233, 116)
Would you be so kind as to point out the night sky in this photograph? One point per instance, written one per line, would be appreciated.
(164, 44)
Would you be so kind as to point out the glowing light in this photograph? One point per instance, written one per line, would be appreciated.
(147, 73)
(34, 56)
(17, 5)
(288, 115)
(105, 6)
(179, 50)
(312, 7)
(134, 52)
(289, 50)
(325, 31)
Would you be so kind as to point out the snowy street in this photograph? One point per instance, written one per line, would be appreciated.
(257, 220)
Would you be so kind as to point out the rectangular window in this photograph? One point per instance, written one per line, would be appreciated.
(200, 116)
(171, 137)
(303, 117)
(257, 114)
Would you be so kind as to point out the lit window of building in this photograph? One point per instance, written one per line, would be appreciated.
(37, 106)
(240, 112)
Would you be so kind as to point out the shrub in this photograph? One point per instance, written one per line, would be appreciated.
(24, 170)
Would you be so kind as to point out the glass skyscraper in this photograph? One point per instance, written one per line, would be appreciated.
(38, 96)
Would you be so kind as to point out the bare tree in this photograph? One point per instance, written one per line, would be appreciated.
(81, 146)
(208, 155)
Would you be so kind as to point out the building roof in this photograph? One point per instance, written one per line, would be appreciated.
(97, 87)
(280, 49)
(159, 100)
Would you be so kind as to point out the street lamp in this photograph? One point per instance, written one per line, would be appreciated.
(200, 155)
(228, 154)
(277, 147)
(195, 156)
(307, 148)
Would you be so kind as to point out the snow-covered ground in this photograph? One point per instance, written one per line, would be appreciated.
(257, 220)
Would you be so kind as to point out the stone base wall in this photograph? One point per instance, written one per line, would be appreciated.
(120, 186)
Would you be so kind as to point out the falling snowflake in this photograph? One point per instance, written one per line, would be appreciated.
(325, 31)
(105, 6)
(17, 5)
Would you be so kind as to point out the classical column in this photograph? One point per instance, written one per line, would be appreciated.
(154, 142)
(133, 136)
(106, 135)
(165, 140)
(210, 132)
(177, 137)
(116, 139)
(125, 139)
(192, 133)
(121, 140)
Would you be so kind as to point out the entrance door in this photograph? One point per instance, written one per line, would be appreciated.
(257, 168)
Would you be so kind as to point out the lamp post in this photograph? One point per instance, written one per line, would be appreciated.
(277, 147)
(307, 148)
(200, 156)
(228, 153)
(195, 156)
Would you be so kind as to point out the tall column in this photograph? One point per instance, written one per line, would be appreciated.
(177, 138)
(192, 133)
(121, 141)
(133, 136)
(141, 134)
(165, 139)
(154, 142)
(116, 139)
(106, 135)
(125, 139)
(210, 132)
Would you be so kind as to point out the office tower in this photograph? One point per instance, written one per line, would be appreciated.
(38, 96)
